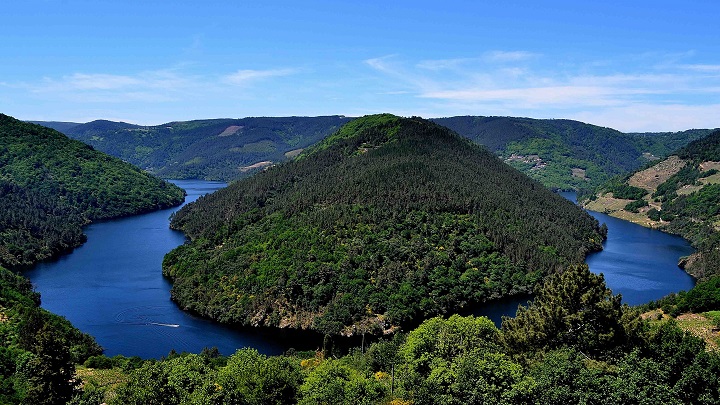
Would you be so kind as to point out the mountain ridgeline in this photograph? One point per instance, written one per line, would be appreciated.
(566, 154)
(218, 149)
(561, 154)
(386, 222)
(51, 186)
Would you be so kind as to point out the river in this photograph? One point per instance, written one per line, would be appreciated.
(112, 286)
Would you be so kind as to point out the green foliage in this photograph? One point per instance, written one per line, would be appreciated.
(563, 145)
(625, 191)
(50, 186)
(399, 221)
(459, 360)
(572, 309)
(692, 212)
(705, 296)
(214, 152)
(706, 148)
(636, 205)
(39, 350)
(337, 382)
(251, 378)
(688, 175)
(209, 149)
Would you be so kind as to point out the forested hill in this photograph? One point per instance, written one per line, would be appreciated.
(50, 186)
(217, 149)
(387, 221)
(561, 154)
(566, 154)
(680, 194)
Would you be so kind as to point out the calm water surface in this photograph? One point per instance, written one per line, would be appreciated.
(112, 286)
(638, 262)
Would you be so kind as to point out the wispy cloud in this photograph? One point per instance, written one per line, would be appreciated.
(508, 56)
(512, 82)
(244, 76)
(702, 68)
(165, 85)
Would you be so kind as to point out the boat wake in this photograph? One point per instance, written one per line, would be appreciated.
(169, 325)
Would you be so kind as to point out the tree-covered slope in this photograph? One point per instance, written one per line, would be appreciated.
(387, 221)
(218, 149)
(680, 194)
(50, 186)
(38, 350)
(566, 154)
(561, 154)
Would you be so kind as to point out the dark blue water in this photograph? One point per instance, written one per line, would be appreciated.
(112, 286)
(638, 262)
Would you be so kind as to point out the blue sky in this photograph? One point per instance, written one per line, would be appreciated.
(631, 65)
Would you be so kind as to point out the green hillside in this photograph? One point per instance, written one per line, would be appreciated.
(561, 154)
(386, 222)
(566, 154)
(218, 149)
(39, 350)
(50, 186)
(680, 194)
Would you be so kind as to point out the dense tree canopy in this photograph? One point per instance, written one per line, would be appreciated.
(38, 350)
(605, 354)
(217, 149)
(387, 221)
(549, 150)
(50, 186)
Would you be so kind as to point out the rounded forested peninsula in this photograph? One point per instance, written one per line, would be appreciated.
(388, 221)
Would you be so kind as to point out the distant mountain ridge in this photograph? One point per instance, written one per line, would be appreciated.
(561, 154)
(566, 154)
(387, 221)
(215, 149)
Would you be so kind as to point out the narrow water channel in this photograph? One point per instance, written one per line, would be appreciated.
(112, 286)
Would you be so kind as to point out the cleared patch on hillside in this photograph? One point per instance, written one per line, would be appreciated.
(688, 189)
(231, 130)
(534, 160)
(700, 325)
(579, 173)
(650, 178)
(705, 166)
(258, 165)
(615, 207)
(292, 153)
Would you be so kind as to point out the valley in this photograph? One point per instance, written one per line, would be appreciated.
(343, 192)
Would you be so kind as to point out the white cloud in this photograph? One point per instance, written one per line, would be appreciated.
(508, 56)
(158, 86)
(245, 76)
(653, 117)
(702, 68)
(642, 96)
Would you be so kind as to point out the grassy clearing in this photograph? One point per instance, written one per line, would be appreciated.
(107, 381)
(701, 325)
